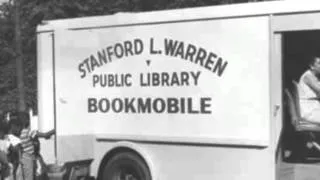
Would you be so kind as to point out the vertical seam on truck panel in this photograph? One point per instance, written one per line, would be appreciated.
(272, 129)
(54, 95)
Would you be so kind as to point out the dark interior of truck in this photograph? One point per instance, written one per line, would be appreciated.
(297, 48)
(299, 143)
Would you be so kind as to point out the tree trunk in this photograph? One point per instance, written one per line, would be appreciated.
(19, 60)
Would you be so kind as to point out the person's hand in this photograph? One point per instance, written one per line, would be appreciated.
(50, 133)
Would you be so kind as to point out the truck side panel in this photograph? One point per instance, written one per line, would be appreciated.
(197, 81)
(208, 84)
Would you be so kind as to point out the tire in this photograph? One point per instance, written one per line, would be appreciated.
(126, 166)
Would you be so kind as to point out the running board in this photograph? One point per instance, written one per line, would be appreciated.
(291, 171)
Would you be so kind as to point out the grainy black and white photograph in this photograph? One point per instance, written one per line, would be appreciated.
(159, 89)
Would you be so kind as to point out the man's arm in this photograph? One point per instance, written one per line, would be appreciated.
(313, 83)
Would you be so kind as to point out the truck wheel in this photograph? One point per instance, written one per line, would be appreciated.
(126, 166)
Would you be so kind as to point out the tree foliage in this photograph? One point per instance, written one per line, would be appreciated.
(34, 12)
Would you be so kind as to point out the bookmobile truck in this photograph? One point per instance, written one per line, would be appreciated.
(195, 93)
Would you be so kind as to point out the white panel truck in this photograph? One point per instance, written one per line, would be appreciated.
(184, 94)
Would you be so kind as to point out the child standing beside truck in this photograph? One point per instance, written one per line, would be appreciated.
(27, 136)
